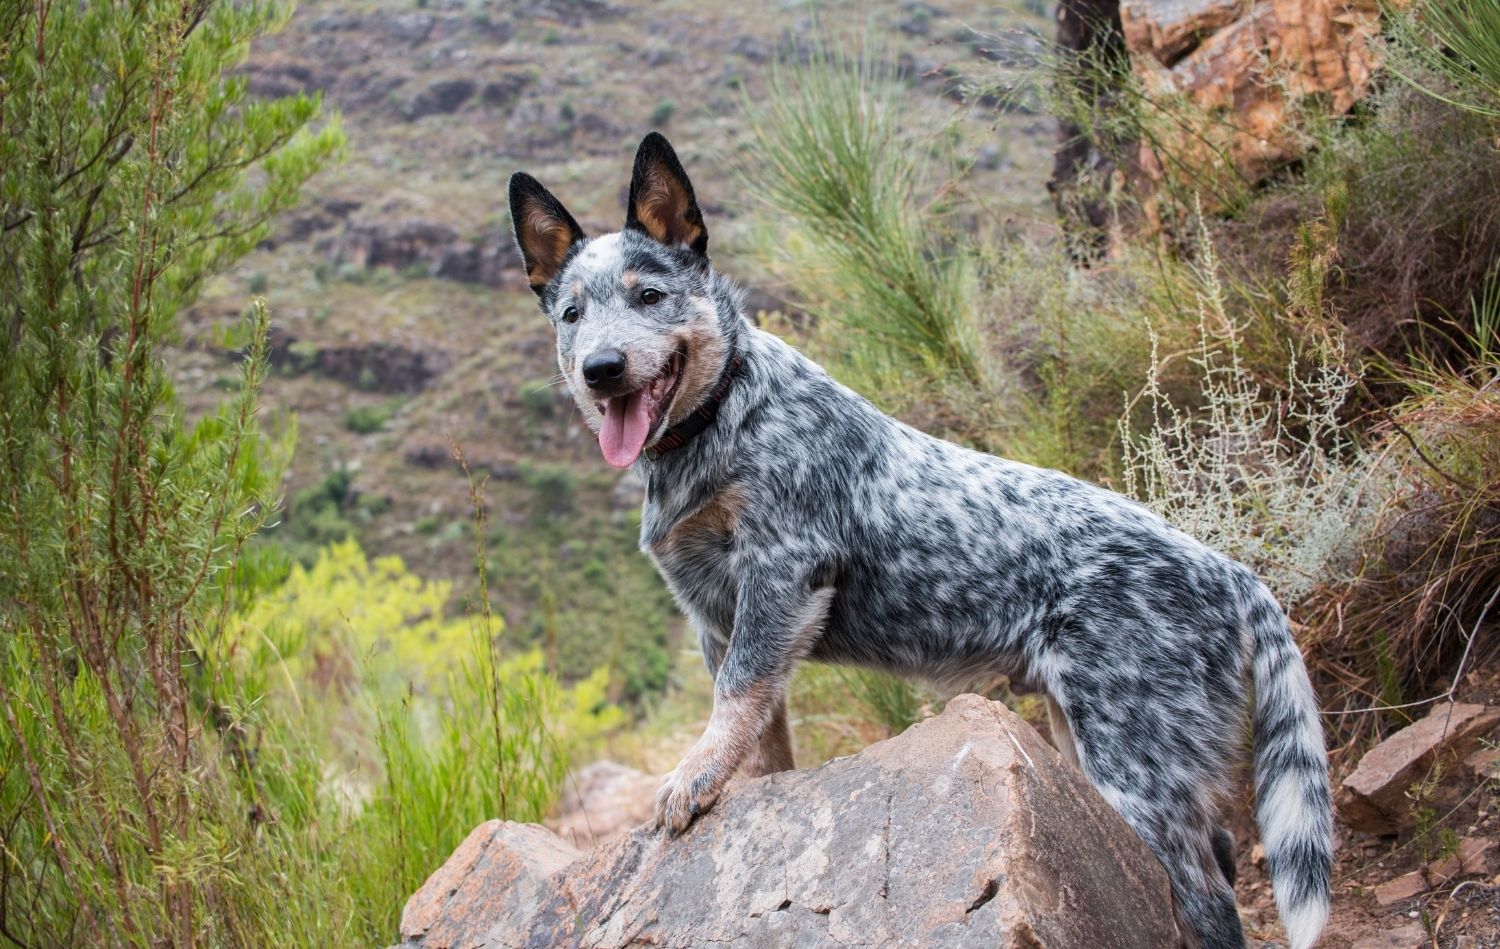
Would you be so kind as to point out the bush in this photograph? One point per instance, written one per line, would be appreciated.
(367, 419)
(131, 168)
(423, 729)
(838, 175)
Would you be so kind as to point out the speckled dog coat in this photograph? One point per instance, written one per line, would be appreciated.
(793, 520)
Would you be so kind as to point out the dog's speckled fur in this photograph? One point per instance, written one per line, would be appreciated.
(804, 523)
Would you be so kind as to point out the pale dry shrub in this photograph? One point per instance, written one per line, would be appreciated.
(1273, 479)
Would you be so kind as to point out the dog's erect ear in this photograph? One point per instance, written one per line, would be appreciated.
(661, 198)
(544, 229)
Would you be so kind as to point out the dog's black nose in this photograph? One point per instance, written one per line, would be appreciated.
(602, 370)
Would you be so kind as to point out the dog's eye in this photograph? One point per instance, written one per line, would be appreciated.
(650, 296)
(570, 315)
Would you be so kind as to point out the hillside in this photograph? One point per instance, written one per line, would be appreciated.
(401, 319)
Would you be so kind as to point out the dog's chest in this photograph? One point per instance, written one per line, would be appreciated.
(694, 556)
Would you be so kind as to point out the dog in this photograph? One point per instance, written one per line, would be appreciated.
(793, 520)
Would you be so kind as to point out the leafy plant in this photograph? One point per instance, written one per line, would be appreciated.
(1458, 41)
(131, 168)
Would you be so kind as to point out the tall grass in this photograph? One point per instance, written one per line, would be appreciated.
(1458, 40)
(836, 165)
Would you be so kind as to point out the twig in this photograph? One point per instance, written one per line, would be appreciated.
(1457, 675)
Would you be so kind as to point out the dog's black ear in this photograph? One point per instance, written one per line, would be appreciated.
(545, 231)
(661, 198)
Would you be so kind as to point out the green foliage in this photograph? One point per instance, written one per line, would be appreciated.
(1459, 41)
(368, 419)
(131, 168)
(889, 700)
(554, 483)
(424, 730)
(839, 175)
(588, 598)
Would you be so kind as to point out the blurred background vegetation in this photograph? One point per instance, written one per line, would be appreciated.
(307, 565)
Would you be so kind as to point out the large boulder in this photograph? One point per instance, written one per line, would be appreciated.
(967, 830)
(1230, 88)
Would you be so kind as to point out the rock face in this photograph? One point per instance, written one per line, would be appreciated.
(1373, 798)
(1228, 82)
(968, 830)
(1250, 66)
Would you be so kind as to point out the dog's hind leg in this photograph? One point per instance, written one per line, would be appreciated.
(1157, 773)
(774, 752)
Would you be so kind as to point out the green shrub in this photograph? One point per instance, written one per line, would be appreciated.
(132, 168)
(368, 419)
(837, 171)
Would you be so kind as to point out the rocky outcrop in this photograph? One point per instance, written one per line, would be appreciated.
(967, 830)
(380, 366)
(1373, 798)
(433, 249)
(1227, 84)
(1248, 67)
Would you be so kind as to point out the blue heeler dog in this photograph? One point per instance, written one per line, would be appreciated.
(792, 520)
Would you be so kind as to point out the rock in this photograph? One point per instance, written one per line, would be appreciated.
(1485, 764)
(373, 367)
(434, 249)
(441, 98)
(1165, 29)
(1410, 936)
(503, 92)
(966, 830)
(1468, 860)
(500, 870)
(1403, 887)
(437, 455)
(604, 801)
(1232, 79)
(1373, 798)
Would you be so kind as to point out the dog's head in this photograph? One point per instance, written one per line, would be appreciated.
(639, 338)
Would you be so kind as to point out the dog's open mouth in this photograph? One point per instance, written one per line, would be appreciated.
(632, 417)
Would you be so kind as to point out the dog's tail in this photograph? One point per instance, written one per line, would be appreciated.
(1293, 806)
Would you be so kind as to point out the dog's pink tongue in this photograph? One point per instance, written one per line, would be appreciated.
(623, 434)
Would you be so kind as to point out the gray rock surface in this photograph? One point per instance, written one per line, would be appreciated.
(967, 830)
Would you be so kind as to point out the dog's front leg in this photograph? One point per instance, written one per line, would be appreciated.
(774, 625)
(773, 752)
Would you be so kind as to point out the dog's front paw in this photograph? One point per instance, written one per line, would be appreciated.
(686, 793)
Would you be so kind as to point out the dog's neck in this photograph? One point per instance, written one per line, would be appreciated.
(701, 417)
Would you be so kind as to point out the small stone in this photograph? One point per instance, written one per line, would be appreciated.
(1410, 936)
(1469, 859)
(1403, 887)
(1485, 764)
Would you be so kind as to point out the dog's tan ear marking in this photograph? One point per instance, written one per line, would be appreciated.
(545, 231)
(661, 198)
